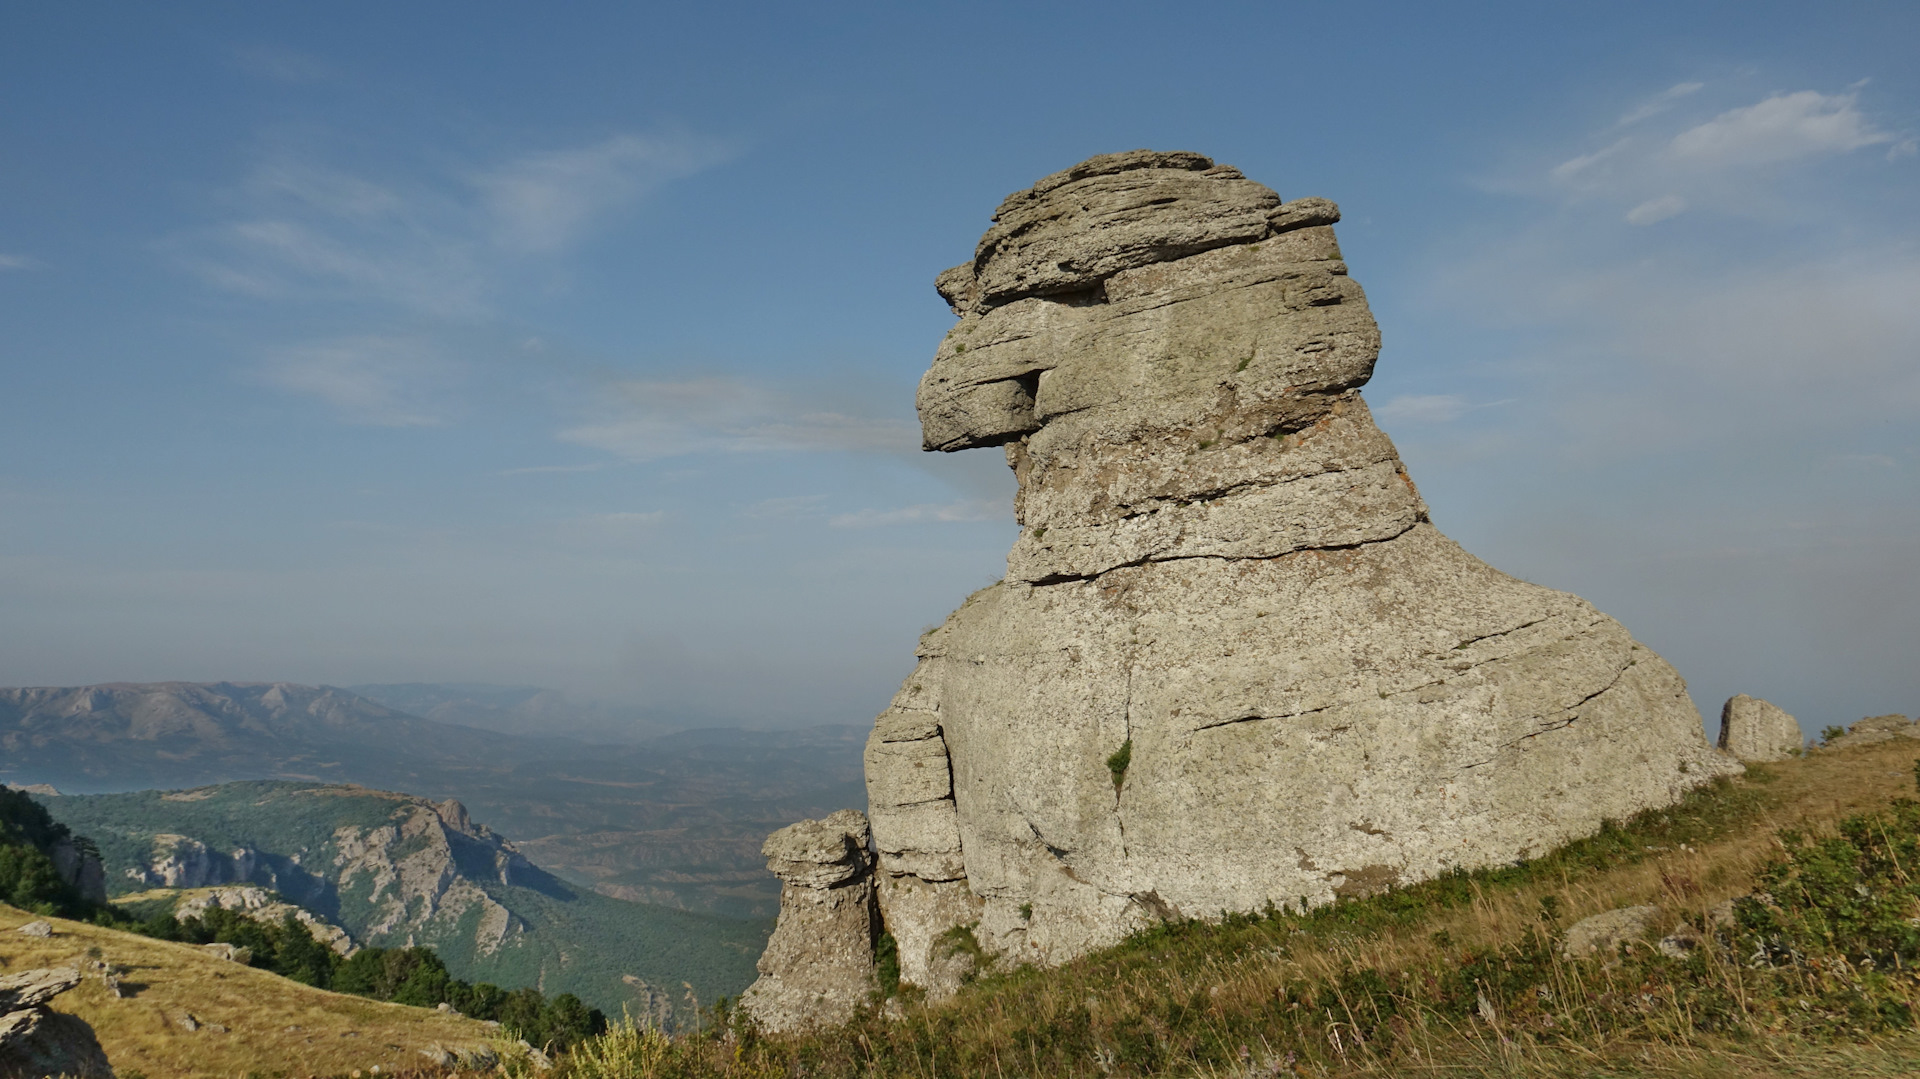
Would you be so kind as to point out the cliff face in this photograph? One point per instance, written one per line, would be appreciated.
(427, 867)
(1232, 663)
(408, 875)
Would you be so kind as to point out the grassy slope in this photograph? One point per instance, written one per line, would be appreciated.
(1294, 991)
(274, 1026)
(577, 941)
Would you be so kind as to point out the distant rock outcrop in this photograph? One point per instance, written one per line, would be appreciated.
(260, 906)
(414, 870)
(819, 965)
(180, 861)
(1232, 663)
(1756, 730)
(1876, 729)
(38, 1041)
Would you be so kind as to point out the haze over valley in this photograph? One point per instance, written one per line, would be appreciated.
(674, 819)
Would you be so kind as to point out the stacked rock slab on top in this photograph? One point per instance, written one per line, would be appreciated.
(1223, 566)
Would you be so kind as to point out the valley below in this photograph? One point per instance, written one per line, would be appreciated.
(673, 819)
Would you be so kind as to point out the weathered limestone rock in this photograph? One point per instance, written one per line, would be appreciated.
(818, 966)
(1602, 934)
(1754, 730)
(36, 1041)
(1224, 565)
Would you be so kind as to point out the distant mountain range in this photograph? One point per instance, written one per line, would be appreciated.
(523, 710)
(674, 819)
(396, 870)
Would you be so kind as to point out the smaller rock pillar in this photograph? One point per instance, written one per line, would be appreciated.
(1754, 730)
(818, 966)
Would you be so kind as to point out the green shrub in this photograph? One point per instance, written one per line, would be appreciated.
(1117, 763)
(886, 964)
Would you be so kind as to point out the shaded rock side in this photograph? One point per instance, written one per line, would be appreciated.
(37, 1041)
(1223, 564)
(818, 966)
(79, 865)
(1756, 730)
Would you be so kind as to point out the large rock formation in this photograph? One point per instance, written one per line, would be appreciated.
(1231, 663)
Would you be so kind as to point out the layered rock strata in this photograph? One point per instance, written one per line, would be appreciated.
(819, 964)
(1232, 663)
(1755, 730)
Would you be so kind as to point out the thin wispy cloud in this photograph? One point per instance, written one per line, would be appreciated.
(538, 470)
(1653, 211)
(1659, 103)
(1573, 167)
(1423, 408)
(965, 510)
(376, 381)
(430, 250)
(545, 202)
(1664, 343)
(1684, 155)
(1784, 127)
(790, 506)
(18, 262)
(645, 420)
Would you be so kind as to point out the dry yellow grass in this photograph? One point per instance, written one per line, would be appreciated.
(273, 1026)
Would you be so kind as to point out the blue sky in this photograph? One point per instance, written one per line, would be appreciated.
(575, 345)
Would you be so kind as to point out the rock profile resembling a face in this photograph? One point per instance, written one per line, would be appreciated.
(1231, 664)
